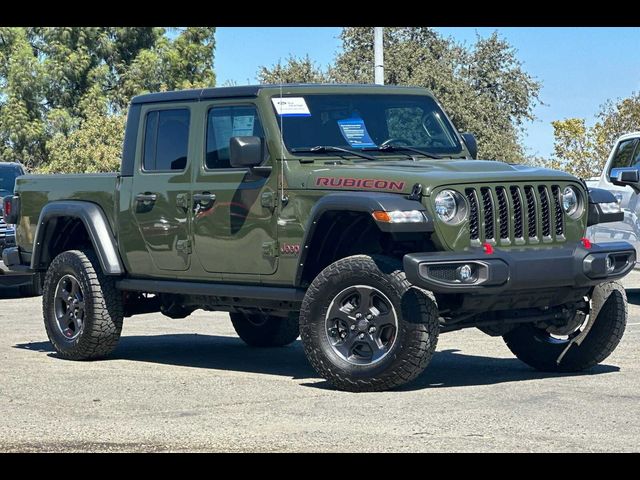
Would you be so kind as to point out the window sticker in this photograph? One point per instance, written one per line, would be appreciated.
(243, 125)
(355, 132)
(291, 106)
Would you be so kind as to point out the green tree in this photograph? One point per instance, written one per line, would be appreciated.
(582, 150)
(64, 91)
(483, 88)
(295, 70)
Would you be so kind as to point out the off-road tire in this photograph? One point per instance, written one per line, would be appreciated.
(103, 306)
(259, 330)
(530, 345)
(416, 334)
(33, 288)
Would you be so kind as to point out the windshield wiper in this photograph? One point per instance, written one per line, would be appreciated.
(400, 148)
(330, 148)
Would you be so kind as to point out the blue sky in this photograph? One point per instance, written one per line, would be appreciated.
(580, 68)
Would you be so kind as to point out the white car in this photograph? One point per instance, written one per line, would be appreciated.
(624, 157)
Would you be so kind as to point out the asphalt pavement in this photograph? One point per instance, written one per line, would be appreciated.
(192, 385)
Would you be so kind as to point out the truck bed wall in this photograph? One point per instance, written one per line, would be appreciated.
(37, 190)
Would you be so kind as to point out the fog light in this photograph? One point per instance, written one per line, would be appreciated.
(611, 264)
(465, 273)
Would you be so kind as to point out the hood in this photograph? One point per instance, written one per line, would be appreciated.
(400, 175)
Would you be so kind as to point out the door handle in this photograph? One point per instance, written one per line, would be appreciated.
(202, 201)
(205, 198)
(146, 197)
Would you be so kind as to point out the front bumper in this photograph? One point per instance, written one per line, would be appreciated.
(522, 269)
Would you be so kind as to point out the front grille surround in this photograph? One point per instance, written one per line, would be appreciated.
(515, 214)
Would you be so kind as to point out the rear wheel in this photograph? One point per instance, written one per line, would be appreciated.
(364, 327)
(82, 309)
(582, 343)
(261, 330)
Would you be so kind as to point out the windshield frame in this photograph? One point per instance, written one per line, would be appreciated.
(458, 151)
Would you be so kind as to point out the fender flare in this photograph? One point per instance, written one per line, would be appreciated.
(97, 226)
(366, 202)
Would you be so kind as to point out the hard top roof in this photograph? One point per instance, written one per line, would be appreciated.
(253, 90)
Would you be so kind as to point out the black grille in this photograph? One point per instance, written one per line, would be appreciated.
(507, 209)
(544, 207)
(474, 219)
(557, 199)
(445, 273)
(503, 212)
(531, 212)
(487, 205)
(518, 220)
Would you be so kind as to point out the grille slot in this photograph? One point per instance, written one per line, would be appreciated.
(503, 212)
(474, 217)
(488, 214)
(532, 230)
(516, 214)
(545, 210)
(559, 217)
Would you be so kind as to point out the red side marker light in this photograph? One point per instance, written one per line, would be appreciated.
(586, 243)
(488, 248)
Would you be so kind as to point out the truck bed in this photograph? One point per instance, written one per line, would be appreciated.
(37, 190)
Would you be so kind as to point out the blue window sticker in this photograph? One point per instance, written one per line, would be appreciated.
(355, 132)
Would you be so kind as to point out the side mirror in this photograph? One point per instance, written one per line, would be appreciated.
(246, 151)
(472, 144)
(626, 177)
(603, 207)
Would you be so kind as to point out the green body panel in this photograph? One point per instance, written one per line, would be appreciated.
(37, 190)
(249, 234)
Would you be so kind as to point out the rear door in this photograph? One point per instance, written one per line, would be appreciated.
(161, 185)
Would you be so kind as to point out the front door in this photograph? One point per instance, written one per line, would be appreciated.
(234, 226)
(161, 186)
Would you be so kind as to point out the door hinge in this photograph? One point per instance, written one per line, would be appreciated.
(270, 249)
(268, 200)
(183, 246)
(182, 200)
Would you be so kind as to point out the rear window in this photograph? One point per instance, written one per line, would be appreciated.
(166, 140)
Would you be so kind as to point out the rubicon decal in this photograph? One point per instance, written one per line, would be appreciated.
(342, 182)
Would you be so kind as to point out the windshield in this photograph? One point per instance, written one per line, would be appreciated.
(8, 180)
(365, 121)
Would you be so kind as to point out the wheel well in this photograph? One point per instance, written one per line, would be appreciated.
(340, 234)
(63, 233)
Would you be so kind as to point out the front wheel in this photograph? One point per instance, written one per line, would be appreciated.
(557, 349)
(364, 327)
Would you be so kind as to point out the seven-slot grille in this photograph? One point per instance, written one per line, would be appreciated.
(516, 214)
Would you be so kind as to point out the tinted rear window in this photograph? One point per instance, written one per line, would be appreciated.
(166, 140)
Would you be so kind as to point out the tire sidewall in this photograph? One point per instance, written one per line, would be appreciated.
(67, 263)
(315, 316)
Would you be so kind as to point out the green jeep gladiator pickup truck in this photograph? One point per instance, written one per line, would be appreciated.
(355, 216)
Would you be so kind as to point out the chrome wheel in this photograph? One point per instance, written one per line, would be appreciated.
(69, 307)
(361, 325)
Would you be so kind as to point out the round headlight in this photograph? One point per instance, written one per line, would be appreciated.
(450, 206)
(570, 201)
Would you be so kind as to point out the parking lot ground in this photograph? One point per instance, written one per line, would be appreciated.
(192, 385)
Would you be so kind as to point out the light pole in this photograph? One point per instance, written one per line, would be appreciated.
(378, 55)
